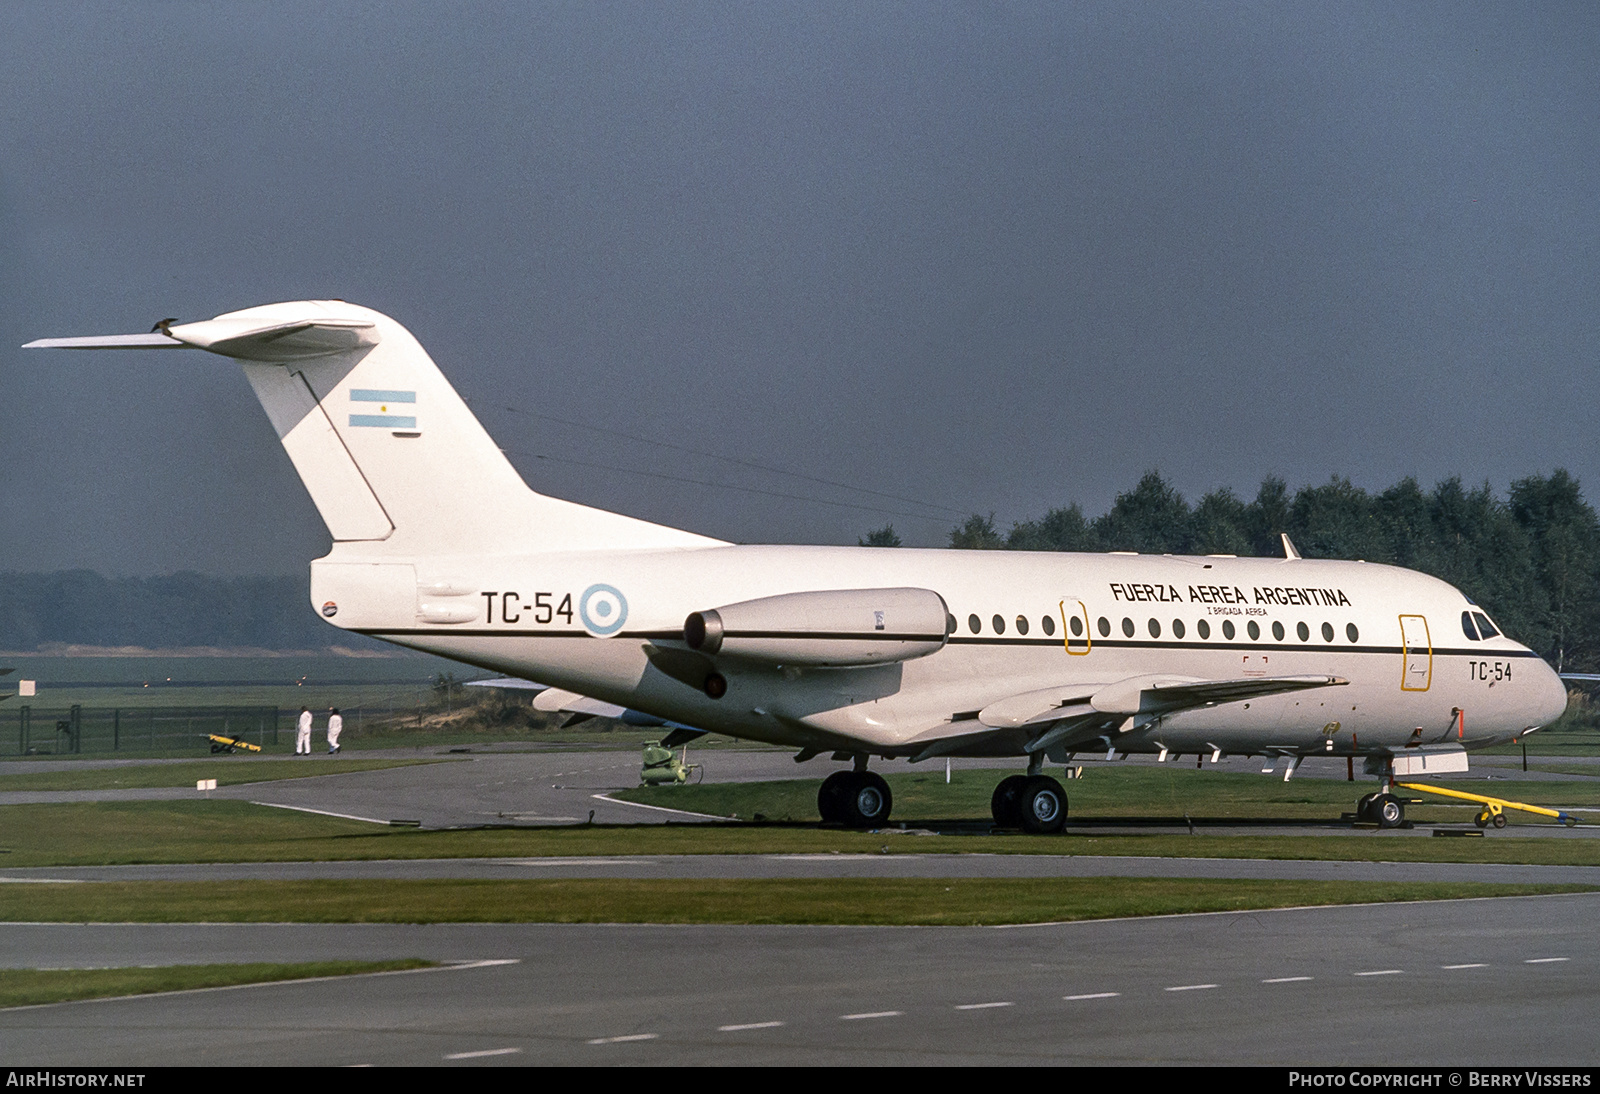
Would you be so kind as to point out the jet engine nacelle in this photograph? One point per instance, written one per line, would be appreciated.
(834, 628)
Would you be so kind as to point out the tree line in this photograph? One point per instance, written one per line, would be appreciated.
(1531, 558)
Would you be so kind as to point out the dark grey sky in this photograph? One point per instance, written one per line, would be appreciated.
(991, 256)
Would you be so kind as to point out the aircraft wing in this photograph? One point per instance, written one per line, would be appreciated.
(1149, 694)
(1081, 712)
(570, 702)
(510, 683)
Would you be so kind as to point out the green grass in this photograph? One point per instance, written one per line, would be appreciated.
(234, 771)
(1559, 743)
(1108, 791)
(31, 987)
(929, 901)
(108, 833)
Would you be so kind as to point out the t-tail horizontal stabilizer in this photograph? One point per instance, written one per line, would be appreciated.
(388, 451)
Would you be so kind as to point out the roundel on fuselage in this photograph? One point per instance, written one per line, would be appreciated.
(603, 610)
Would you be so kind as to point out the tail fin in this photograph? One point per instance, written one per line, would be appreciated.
(388, 451)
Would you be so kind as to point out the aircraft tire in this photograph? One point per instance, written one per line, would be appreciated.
(1365, 811)
(1005, 803)
(832, 794)
(1389, 811)
(1042, 805)
(868, 801)
(1499, 820)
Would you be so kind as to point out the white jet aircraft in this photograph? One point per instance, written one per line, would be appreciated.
(856, 652)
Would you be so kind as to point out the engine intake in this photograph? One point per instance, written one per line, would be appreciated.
(834, 628)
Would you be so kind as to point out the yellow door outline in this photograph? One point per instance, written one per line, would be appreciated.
(1076, 645)
(1419, 670)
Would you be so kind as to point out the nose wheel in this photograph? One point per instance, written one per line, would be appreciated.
(1384, 810)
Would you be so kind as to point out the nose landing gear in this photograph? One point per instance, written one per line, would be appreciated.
(1384, 810)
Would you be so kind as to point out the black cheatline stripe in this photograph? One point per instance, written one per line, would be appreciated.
(845, 636)
(960, 640)
(1276, 647)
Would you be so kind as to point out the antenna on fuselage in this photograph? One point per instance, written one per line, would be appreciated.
(1289, 553)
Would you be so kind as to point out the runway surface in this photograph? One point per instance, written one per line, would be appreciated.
(1508, 982)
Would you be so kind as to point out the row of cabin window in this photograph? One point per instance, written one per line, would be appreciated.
(1202, 628)
(1046, 623)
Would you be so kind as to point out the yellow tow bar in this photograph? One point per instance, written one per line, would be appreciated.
(1494, 808)
(219, 743)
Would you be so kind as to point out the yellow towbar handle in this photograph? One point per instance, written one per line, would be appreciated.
(1496, 804)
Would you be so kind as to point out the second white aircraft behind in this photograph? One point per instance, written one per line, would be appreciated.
(855, 652)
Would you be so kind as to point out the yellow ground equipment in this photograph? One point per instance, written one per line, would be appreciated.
(1494, 808)
(662, 765)
(220, 743)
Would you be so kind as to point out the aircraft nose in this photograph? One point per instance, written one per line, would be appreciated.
(1550, 696)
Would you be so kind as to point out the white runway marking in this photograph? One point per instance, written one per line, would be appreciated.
(482, 1052)
(1190, 987)
(321, 812)
(1092, 995)
(871, 1014)
(983, 1006)
(748, 1025)
(40, 880)
(658, 808)
(1474, 965)
(483, 964)
(1545, 960)
(1381, 972)
(1286, 980)
(624, 1039)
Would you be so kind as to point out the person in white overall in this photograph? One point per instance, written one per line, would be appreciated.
(302, 736)
(335, 727)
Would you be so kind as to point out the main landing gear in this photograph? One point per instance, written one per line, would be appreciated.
(1033, 803)
(855, 799)
(1384, 810)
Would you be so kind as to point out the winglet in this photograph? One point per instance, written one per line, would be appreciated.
(1289, 553)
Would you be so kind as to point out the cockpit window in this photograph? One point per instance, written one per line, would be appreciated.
(1486, 628)
(1468, 627)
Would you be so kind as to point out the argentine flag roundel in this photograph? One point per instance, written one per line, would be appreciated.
(395, 409)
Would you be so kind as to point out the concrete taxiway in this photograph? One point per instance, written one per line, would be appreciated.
(1508, 982)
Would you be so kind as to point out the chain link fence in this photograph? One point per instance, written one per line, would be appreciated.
(77, 730)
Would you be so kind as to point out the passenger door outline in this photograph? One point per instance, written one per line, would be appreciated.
(1074, 609)
(1416, 654)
